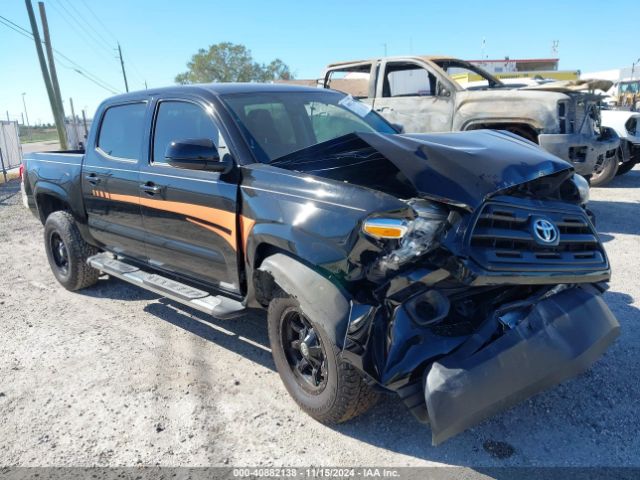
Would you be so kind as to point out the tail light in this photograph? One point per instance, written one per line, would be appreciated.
(21, 171)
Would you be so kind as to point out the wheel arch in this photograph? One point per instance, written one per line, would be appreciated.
(320, 299)
(50, 198)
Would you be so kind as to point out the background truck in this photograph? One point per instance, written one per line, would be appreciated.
(627, 125)
(429, 94)
(460, 270)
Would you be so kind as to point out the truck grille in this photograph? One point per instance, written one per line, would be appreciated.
(503, 239)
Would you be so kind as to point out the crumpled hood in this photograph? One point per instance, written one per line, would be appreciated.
(461, 168)
(569, 86)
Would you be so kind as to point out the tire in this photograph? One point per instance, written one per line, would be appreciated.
(625, 167)
(607, 172)
(67, 252)
(340, 394)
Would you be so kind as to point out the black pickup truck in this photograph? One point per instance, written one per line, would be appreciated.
(460, 270)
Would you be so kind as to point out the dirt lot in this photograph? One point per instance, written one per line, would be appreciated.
(118, 376)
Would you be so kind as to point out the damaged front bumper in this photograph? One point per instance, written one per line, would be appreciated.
(581, 150)
(455, 381)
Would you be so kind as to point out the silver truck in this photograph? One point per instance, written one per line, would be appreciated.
(627, 125)
(440, 94)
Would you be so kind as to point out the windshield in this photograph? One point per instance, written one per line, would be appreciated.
(275, 124)
(468, 76)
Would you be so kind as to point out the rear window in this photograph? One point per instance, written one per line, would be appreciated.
(122, 131)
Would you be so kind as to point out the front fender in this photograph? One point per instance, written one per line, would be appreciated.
(320, 299)
(537, 109)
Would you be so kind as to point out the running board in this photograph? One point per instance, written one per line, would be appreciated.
(215, 305)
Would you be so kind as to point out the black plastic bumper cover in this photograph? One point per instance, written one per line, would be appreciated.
(560, 338)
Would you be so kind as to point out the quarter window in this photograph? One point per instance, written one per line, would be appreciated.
(181, 121)
(122, 131)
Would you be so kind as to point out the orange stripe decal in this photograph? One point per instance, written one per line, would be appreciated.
(227, 220)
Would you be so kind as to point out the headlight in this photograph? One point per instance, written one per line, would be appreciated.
(582, 186)
(415, 236)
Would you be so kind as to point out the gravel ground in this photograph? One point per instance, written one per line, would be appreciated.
(116, 376)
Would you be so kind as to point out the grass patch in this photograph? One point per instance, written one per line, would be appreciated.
(38, 135)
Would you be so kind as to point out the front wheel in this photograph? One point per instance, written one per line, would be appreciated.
(324, 386)
(67, 252)
(606, 171)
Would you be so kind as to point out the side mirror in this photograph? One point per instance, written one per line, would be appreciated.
(196, 154)
(443, 91)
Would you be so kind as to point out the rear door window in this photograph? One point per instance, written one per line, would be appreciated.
(122, 131)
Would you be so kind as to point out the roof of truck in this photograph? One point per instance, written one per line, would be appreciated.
(429, 58)
(214, 88)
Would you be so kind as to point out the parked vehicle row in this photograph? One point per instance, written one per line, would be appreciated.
(427, 94)
(461, 271)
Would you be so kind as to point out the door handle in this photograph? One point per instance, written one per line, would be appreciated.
(92, 178)
(384, 109)
(150, 188)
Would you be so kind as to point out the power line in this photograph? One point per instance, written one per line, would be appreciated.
(59, 55)
(99, 42)
(82, 31)
(133, 66)
(104, 27)
(26, 33)
(98, 34)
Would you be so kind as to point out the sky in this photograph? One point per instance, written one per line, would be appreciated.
(159, 37)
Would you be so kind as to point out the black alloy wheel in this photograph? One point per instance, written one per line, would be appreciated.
(59, 252)
(304, 351)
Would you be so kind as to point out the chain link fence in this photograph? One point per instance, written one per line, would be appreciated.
(10, 149)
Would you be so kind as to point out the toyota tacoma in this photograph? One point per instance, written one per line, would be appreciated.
(461, 271)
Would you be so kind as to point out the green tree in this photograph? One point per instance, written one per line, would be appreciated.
(228, 62)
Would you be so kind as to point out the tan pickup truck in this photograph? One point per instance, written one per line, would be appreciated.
(432, 94)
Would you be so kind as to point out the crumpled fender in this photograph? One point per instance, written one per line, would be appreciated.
(320, 299)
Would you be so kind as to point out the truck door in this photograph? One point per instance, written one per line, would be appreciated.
(410, 94)
(110, 179)
(189, 216)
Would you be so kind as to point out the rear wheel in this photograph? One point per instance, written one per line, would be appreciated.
(606, 170)
(325, 387)
(67, 252)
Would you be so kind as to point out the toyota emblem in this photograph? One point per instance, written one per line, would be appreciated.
(545, 232)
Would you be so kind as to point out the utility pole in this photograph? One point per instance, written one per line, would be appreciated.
(59, 120)
(52, 63)
(84, 122)
(24, 103)
(124, 74)
(75, 124)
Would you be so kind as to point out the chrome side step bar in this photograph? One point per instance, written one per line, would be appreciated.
(215, 305)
